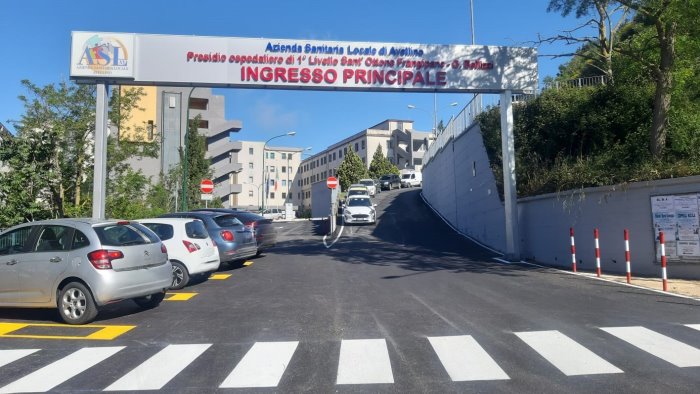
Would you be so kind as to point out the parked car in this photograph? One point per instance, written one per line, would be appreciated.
(190, 249)
(234, 240)
(79, 265)
(359, 209)
(273, 213)
(390, 181)
(264, 230)
(369, 184)
(357, 189)
(412, 179)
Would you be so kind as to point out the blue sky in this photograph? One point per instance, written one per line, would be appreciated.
(35, 44)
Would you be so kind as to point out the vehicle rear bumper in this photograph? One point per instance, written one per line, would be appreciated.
(205, 266)
(243, 252)
(110, 286)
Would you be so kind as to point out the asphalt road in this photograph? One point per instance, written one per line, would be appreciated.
(405, 306)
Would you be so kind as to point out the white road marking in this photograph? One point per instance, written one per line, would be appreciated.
(465, 360)
(158, 370)
(364, 361)
(9, 356)
(52, 375)
(262, 366)
(335, 240)
(661, 346)
(694, 326)
(566, 354)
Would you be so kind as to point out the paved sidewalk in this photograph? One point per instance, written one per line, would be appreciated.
(685, 287)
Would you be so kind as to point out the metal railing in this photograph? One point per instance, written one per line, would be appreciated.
(577, 83)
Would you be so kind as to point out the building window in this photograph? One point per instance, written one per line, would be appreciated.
(251, 151)
(284, 169)
(203, 124)
(345, 150)
(199, 103)
(284, 156)
(284, 195)
(363, 144)
(250, 193)
(272, 183)
(272, 194)
(357, 147)
(289, 156)
(284, 183)
(250, 180)
(272, 168)
(272, 155)
(340, 153)
(364, 161)
(250, 165)
(150, 130)
(333, 156)
(299, 183)
(417, 161)
(298, 196)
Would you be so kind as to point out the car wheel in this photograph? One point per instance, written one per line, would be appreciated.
(150, 301)
(75, 304)
(180, 275)
(258, 253)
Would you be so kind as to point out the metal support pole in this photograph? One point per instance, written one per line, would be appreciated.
(100, 178)
(510, 192)
(264, 180)
(185, 158)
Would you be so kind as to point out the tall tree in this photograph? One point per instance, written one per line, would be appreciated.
(198, 164)
(381, 165)
(605, 18)
(351, 169)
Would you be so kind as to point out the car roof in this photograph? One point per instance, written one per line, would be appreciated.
(358, 196)
(166, 220)
(72, 221)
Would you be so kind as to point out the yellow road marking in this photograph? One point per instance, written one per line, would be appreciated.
(179, 296)
(219, 276)
(106, 333)
(247, 263)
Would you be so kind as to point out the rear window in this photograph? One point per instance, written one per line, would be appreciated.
(406, 176)
(357, 192)
(367, 183)
(196, 229)
(227, 221)
(125, 234)
(163, 231)
(385, 177)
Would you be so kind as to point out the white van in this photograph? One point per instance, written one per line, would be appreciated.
(411, 179)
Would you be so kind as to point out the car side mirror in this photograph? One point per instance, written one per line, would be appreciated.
(374, 205)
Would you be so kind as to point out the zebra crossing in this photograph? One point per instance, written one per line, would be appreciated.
(360, 361)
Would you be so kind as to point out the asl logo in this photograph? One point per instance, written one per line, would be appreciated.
(104, 55)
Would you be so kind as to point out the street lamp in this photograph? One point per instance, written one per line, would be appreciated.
(435, 130)
(291, 134)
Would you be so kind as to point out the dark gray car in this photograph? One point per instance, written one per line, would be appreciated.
(390, 181)
(264, 230)
(234, 240)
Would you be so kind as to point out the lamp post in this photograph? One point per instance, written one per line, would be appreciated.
(185, 158)
(435, 130)
(291, 134)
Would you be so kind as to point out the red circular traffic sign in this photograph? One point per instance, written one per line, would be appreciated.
(207, 186)
(332, 182)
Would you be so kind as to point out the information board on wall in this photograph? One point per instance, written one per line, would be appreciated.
(678, 217)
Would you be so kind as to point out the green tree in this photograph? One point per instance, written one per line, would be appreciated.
(381, 165)
(351, 169)
(198, 164)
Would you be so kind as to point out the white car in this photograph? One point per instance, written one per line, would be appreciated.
(190, 249)
(370, 185)
(359, 209)
(274, 214)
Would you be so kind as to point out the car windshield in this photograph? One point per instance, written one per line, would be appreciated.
(406, 176)
(385, 178)
(367, 183)
(359, 202)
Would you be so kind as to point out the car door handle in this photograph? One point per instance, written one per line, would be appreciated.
(55, 259)
(11, 262)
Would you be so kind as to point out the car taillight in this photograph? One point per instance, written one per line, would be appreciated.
(163, 248)
(102, 259)
(190, 246)
(227, 235)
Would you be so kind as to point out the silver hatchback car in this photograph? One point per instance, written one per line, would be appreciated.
(78, 265)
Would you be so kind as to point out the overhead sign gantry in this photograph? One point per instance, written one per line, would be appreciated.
(105, 58)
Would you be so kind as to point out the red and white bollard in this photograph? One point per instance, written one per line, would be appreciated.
(664, 277)
(573, 250)
(627, 256)
(597, 252)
